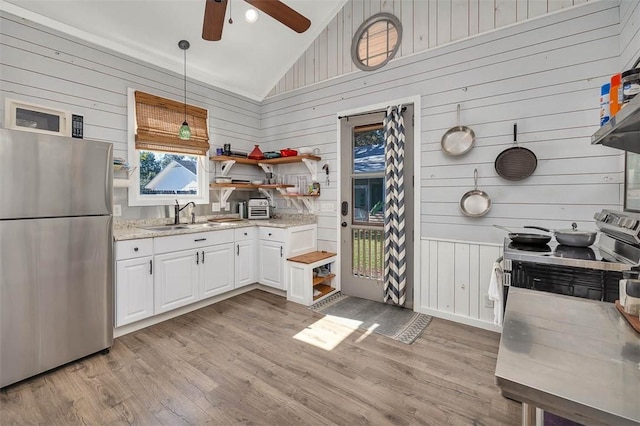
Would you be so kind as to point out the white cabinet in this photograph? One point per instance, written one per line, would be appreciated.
(134, 281)
(275, 245)
(310, 277)
(272, 264)
(216, 272)
(245, 256)
(194, 267)
(176, 281)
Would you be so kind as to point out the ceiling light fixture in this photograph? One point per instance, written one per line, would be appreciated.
(185, 131)
(251, 15)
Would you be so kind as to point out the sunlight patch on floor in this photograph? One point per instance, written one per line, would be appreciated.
(328, 332)
(368, 332)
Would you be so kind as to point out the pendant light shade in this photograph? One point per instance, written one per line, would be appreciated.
(184, 132)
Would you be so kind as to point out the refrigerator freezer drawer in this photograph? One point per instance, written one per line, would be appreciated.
(56, 293)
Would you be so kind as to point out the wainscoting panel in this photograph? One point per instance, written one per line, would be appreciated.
(455, 280)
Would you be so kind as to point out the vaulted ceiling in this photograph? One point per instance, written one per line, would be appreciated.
(249, 60)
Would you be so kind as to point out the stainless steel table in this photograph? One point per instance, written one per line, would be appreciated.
(574, 357)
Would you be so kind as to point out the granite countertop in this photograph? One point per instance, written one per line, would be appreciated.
(132, 229)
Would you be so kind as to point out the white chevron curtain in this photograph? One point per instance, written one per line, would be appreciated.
(395, 264)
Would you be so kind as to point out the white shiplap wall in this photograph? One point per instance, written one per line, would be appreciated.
(544, 74)
(45, 67)
(426, 24)
(456, 275)
(629, 33)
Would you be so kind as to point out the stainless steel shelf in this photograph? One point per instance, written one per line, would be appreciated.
(623, 130)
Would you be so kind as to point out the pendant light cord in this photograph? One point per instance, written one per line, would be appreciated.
(185, 84)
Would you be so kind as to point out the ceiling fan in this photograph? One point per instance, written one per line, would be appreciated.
(215, 11)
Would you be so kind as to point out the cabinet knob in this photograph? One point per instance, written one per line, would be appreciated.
(245, 233)
(135, 249)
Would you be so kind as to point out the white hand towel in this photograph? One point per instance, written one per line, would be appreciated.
(495, 293)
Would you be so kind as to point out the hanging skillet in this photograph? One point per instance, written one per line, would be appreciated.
(458, 140)
(516, 163)
(475, 203)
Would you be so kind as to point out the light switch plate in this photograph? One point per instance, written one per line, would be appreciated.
(117, 210)
(215, 207)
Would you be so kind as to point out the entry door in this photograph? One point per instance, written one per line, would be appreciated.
(362, 190)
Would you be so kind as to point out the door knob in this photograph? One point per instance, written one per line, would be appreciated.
(343, 224)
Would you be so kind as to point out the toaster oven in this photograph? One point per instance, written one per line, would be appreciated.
(259, 208)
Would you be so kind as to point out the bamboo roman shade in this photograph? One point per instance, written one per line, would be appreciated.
(158, 121)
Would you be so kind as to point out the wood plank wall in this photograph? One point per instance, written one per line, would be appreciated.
(544, 74)
(426, 24)
(629, 33)
(455, 279)
(46, 67)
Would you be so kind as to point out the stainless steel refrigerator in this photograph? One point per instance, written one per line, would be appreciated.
(56, 261)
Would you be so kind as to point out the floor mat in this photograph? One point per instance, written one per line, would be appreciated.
(398, 323)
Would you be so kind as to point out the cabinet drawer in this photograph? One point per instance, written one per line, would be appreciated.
(131, 249)
(191, 241)
(273, 234)
(243, 234)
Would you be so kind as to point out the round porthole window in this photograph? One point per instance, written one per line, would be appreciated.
(376, 41)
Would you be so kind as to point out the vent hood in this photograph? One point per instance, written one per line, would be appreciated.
(623, 130)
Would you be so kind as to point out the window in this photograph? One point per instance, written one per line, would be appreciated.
(376, 41)
(166, 168)
(368, 168)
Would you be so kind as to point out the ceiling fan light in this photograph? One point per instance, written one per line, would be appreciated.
(185, 132)
(251, 15)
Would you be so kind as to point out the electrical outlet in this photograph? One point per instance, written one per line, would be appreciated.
(117, 210)
(488, 303)
(215, 207)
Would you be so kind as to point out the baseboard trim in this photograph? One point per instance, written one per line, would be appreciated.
(460, 319)
(156, 319)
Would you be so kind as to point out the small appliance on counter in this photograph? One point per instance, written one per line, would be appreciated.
(259, 208)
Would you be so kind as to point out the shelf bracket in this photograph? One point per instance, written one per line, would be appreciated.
(268, 168)
(312, 165)
(225, 193)
(268, 194)
(309, 203)
(226, 167)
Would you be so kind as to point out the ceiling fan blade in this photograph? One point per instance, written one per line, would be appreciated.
(214, 13)
(283, 13)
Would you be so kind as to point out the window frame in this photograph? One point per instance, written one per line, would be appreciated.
(138, 199)
(363, 28)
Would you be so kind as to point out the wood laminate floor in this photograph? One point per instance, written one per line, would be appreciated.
(238, 362)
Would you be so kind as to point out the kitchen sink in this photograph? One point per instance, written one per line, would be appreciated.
(182, 226)
(164, 227)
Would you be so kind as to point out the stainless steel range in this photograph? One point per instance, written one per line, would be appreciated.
(588, 272)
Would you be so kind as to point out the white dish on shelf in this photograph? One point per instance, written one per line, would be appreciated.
(292, 190)
(304, 150)
(222, 180)
(256, 182)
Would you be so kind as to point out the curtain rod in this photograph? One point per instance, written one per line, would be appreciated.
(404, 108)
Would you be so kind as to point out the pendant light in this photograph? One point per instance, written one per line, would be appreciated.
(185, 131)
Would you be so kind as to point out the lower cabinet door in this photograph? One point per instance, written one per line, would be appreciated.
(176, 279)
(216, 269)
(245, 263)
(271, 271)
(134, 290)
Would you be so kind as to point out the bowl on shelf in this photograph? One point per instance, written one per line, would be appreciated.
(222, 179)
(305, 150)
(292, 190)
(271, 154)
(256, 182)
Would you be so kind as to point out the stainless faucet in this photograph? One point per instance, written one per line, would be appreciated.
(178, 209)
